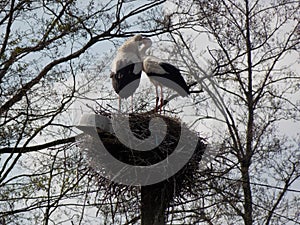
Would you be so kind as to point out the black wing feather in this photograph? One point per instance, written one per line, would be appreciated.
(173, 74)
(126, 77)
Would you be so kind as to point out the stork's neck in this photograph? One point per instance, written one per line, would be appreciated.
(143, 50)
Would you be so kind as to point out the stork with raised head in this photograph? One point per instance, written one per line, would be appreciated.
(127, 69)
(162, 74)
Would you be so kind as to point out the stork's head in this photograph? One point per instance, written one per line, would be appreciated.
(132, 44)
(145, 44)
(142, 41)
(137, 38)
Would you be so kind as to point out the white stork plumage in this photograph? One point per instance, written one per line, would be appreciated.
(126, 68)
(162, 74)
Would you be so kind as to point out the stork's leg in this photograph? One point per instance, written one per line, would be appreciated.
(161, 98)
(157, 99)
(119, 104)
(131, 103)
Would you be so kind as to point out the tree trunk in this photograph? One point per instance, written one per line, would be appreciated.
(154, 201)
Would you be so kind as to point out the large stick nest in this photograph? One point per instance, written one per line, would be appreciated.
(182, 181)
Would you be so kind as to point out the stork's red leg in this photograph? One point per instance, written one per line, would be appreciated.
(131, 103)
(157, 99)
(161, 98)
(119, 104)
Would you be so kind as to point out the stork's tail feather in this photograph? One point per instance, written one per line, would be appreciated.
(192, 85)
(195, 91)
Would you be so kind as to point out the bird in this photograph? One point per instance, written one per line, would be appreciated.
(126, 69)
(162, 74)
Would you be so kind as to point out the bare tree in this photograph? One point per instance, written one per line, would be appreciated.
(47, 47)
(251, 87)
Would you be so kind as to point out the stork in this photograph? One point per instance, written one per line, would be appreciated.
(162, 74)
(126, 69)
